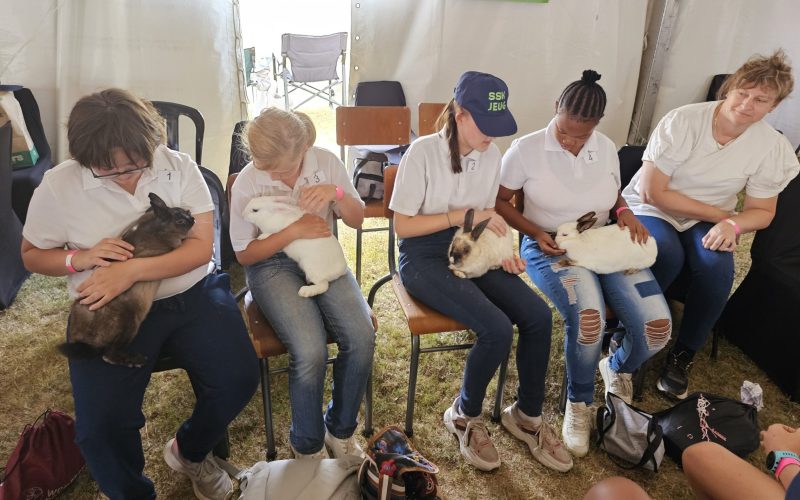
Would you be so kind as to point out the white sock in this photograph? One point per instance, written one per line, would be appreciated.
(534, 421)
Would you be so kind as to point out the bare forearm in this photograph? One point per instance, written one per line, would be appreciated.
(50, 262)
(788, 474)
(351, 211)
(420, 225)
(677, 204)
(515, 218)
(192, 254)
(258, 250)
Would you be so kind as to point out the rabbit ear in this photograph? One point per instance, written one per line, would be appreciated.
(468, 220)
(159, 207)
(585, 217)
(587, 224)
(479, 229)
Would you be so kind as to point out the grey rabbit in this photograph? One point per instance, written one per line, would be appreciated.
(109, 330)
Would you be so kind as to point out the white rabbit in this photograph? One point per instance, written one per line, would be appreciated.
(321, 259)
(474, 251)
(606, 249)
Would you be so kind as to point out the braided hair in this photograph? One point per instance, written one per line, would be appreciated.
(583, 99)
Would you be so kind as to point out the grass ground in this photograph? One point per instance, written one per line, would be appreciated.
(34, 377)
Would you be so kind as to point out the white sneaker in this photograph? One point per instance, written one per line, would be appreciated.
(209, 481)
(575, 430)
(342, 447)
(617, 383)
(322, 453)
(473, 438)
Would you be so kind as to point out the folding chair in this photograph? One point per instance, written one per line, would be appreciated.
(171, 112)
(372, 125)
(267, 345)
(313, 59)
(428, 114)
(422, 320)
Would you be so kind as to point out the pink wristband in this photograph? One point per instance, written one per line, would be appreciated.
(620, 210)
(782, 465)
(736, 227)
(68, 261)
(339, 193)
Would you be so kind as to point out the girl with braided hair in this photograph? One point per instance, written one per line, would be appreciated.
(564, 171)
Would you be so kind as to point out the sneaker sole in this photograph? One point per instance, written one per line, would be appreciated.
(669, 393)
(542, 458)
(465, 452)
(173, 464)
(606, 376)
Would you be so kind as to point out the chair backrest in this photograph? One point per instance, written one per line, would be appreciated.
(171, 112)
(372, 125)
(389, 176)
(220, 215)
(314, 58)
(379, 93)
(239, 158)
(428, 114)
(716, 83)
(630, 160)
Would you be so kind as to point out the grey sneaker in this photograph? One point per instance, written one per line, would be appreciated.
(617, 383)
(473, 438)
(341, 447)
(322, 453)
(209, 481)
(542, 441)
(575, 430)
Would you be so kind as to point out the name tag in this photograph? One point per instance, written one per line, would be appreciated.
(591, 156)
(317, 177)
(168, 176)
(472, 166)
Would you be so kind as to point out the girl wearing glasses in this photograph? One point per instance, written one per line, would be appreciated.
(118, 158)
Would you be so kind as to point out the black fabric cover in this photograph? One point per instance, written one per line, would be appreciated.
(12, 272)
(380, 93)
(26, 179)
(630, 160)
(761, 316)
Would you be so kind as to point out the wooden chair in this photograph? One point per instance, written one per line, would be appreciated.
(371, 126)
(428, 114)
(267, 345)
(422, 320)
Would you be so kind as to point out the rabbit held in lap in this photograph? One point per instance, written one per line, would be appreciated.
(474, 251)
(606, 249)
(108, 331)
(321, 259)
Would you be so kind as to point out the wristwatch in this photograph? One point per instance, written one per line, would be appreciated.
(777, 460)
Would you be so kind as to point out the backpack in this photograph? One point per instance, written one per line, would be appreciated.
(368, 175)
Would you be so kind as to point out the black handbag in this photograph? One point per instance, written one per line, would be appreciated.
(708, 417)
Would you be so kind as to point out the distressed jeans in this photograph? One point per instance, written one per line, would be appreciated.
(580, 296)
(706, 276)
(490, 306)
(303, 325)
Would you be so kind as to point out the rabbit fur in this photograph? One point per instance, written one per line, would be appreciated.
(606, 249)
(321, 259)
(474, 251)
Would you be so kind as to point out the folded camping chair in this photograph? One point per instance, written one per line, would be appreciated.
(312, 59)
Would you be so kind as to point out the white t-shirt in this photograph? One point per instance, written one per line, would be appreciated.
(560, 187)
(426, 184)
(70, 207)
(761, 160)
(320, 166)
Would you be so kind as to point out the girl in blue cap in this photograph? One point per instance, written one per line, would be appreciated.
(440, 177)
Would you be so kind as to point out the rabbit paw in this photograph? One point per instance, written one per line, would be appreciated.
(458, 273)
(312, 290)
(565, 263)
(628, 272)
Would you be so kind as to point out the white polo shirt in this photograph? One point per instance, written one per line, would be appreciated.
(71, 208)
(320, 166)
(426, 183)
(559, 187)
(761, 161)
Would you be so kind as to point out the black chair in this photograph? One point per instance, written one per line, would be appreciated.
(26, 179)
(172, 112)
(12, 272)
(716, 83)
(630, 160)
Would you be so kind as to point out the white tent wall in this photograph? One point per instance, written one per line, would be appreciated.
(712, 37)
(183, 51)
(536, 48)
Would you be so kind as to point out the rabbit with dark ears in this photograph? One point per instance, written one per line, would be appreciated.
(117, 159)
(565, 183)
(429, 200)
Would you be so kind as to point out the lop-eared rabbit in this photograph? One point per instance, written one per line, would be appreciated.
(474, 251)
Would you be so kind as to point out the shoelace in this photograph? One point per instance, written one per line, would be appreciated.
(576, 423)
(478, 433)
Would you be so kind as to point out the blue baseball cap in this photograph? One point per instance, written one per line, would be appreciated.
(486, 98)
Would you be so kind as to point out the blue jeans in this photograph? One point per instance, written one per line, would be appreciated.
(580, 296)
(708, 276)
(303, 325)
(203, 329)
(489, 305)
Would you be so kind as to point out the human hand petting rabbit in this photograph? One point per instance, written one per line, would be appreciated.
(474, 251)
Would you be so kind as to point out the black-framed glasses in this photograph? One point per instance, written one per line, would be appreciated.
(116, 174)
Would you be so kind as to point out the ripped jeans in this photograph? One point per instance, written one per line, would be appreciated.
(580, 296)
